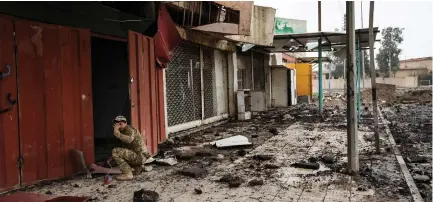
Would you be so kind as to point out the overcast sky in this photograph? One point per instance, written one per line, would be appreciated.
(416, 17)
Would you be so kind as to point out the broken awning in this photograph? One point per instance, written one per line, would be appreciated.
(167, 37)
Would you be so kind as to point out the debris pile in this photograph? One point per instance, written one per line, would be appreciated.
(384, 92)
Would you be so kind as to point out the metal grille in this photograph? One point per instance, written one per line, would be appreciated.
(183, 85)
(259, 71)
(244, 70)
(210, 105)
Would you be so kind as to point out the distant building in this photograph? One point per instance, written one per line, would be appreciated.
(414, 67)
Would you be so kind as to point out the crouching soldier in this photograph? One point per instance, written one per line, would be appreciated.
(132, 155)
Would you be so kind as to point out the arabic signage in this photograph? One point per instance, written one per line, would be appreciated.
(289, 26)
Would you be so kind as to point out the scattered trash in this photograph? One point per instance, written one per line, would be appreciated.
(193, 172)
(313, 166)
(274, 131)
(166, 161)
(328, 159)
(204, 152)
(312, 160)
(220, 157)
(241, 152)
(145, 196)
(95, 169)
(198, 191)
(79, 158)
(256, 182)
(108, 179)
(272, 166)
(184, 153)
(421, 178)
(149, 160)
(236, 182)
(263, 157)
(148, 168)
(238, 140)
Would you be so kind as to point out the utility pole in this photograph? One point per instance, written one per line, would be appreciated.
(362, 51)
(320, 59)
(352, 122)
(373, 77)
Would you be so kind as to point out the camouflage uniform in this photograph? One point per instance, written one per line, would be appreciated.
(133, 152)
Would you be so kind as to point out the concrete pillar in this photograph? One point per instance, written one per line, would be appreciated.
(233, 82)
(268, 81)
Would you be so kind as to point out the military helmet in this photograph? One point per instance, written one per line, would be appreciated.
(119, 119)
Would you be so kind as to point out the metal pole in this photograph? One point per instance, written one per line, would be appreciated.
(320, 59)
(358, 78)
(373, 77)
(352, 123)
(363, 68)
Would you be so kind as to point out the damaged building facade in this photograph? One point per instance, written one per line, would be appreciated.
(68, 68)
(216, 61)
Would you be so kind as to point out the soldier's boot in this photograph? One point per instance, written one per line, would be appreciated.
(138, 170)
(125, 176)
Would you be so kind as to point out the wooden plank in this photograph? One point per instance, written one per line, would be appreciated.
(30, 54)
(9, 145)
(86, 96)
(53, 99)
(132, 51)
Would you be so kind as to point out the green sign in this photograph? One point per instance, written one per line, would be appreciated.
(289, 26)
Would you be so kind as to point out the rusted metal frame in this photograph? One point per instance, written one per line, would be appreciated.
(108, 37)
(199, 16)
(192, 13)
(326, 37)
(291, 37)
(183, 23)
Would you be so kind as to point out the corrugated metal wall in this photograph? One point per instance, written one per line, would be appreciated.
(146, 90)
(51, 78)
(9, 145)
(52, 81)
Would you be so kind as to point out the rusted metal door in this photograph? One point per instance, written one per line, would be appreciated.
(9, 146)
(146, 89)
(55, 105)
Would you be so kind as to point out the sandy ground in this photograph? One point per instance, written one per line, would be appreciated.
(297, 134)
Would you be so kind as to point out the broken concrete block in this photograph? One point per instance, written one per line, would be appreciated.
(271, 166)
(256, 182)
(184, 153)
(204, 152)
(421, 178)
(145, 196)
(166, 161)
(193, 172)
(236, 182)
(328, 159)
(274, 131)
(313, 166)
(238, 140)
(198, 191)
(241, 152)
(263, 157)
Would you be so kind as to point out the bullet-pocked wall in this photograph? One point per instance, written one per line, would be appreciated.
(196, 86)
